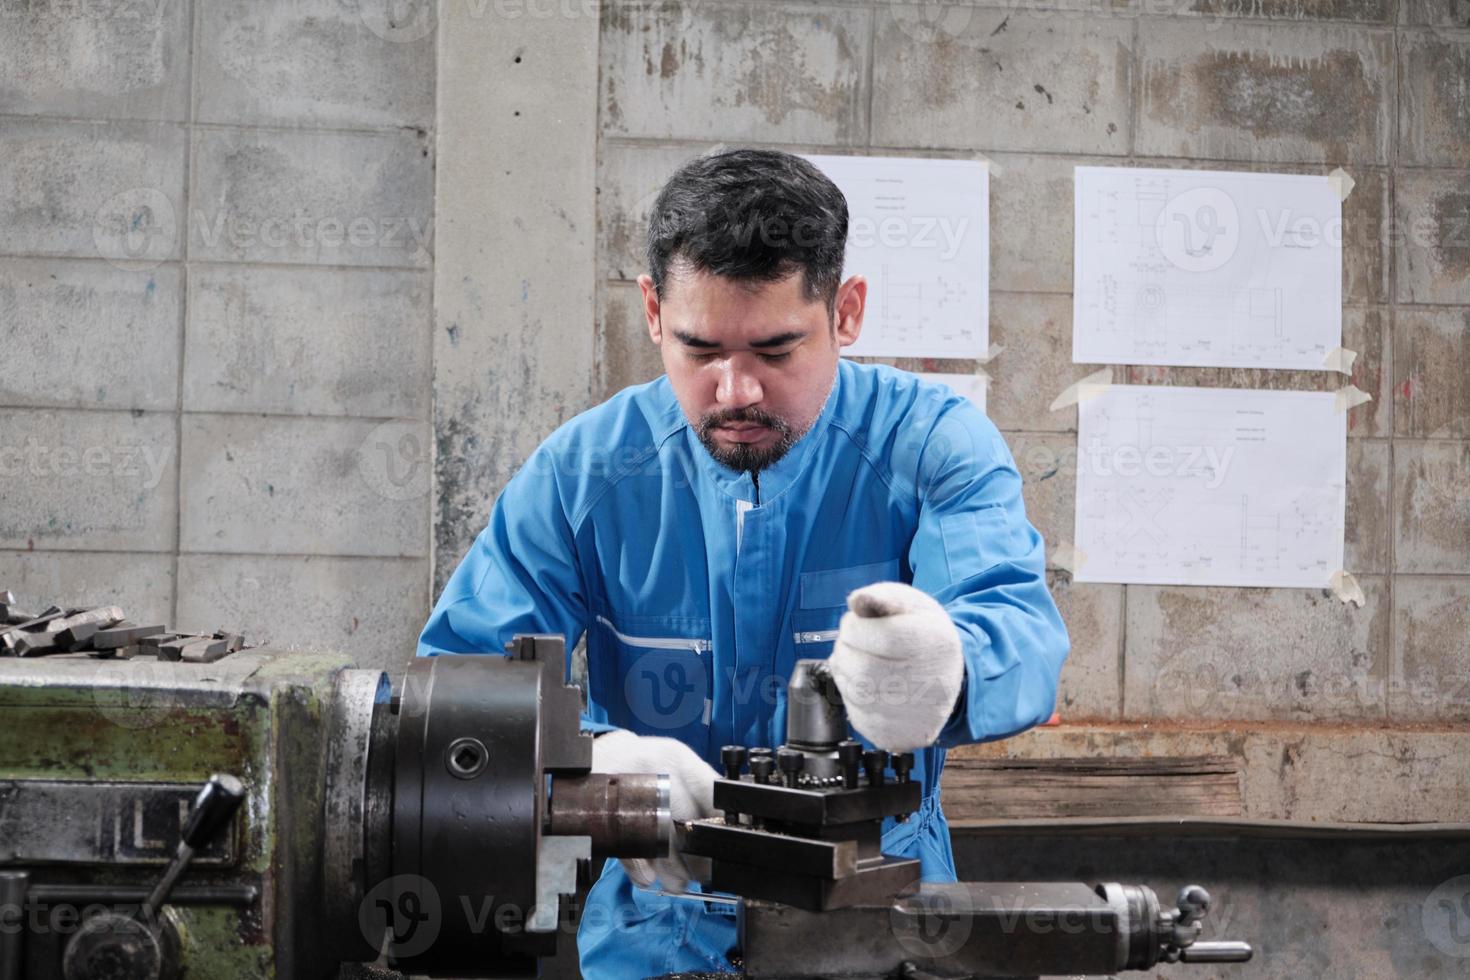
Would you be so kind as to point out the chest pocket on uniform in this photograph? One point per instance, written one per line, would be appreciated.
(661, 676)
(823, 600)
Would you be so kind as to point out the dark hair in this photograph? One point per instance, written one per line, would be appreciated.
(756, 215)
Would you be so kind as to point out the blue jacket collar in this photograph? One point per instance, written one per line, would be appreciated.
(775, 479)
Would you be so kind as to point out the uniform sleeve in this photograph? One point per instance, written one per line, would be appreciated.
(521, 575)
(976, 553)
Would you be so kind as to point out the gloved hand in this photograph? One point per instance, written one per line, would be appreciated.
(691, 797)
(898, 665)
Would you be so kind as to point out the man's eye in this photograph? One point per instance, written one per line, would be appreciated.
(775, 358)
(701, 358)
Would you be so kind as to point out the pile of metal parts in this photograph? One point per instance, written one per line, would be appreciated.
(104, 633)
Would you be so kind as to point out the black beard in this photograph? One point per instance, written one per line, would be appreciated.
(742, 456)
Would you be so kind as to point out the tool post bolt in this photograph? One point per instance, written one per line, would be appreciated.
(875, 761)
(850, 755)
(791, 763)
(733, 758)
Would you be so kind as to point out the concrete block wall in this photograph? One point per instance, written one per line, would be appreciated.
(216, 282)
(1377, 87)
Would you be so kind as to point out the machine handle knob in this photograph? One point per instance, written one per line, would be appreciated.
(216, 803)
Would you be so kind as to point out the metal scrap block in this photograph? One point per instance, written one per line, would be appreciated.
(122, 635)
(203, 651)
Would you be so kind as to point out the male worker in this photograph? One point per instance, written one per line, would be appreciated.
(707, 529)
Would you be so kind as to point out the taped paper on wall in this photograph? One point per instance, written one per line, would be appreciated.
(1349, 397)
(1066, 557)
(919, 230)
(1346, 588)
(1340, 359)
(1211, 486)
(972, 386)
(1086, 388)
(1205, 268)
(1342, 183)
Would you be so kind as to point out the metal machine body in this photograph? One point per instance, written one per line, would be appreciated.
(440, 828)
(446, 824)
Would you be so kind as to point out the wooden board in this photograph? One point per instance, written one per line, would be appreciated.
(1010, 789)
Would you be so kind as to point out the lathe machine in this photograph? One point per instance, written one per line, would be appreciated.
(278, 814)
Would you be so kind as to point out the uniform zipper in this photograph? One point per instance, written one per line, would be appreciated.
(816, 636)
(657, 642)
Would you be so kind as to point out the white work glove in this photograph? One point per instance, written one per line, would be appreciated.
(897, 664)
(691, 797)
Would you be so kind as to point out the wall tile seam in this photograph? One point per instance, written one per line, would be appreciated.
(298, 555)
(1415, 441)
(1044, 14)
(1395, 251)
(1435, 576)
(284, 555)
(431, 504)
(96, 121)
(204, 126)
(1084, 158)
(5, 552)
(1353, 307)
(1367, 27)
(190, 413)
(190, 153)
(179, 263)
(334, 555)
(1406, 307)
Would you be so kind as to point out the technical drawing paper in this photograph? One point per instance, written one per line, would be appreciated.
(971, 386)
(919, 231)
(1205, 268)
(1210, 486)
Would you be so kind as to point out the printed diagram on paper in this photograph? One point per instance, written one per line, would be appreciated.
(1210, 486)
(1206, 268)
(971, 386)
(919, 231)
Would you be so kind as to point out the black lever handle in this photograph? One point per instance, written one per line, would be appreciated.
(216, 803)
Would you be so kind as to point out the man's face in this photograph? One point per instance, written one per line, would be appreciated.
(751, 363)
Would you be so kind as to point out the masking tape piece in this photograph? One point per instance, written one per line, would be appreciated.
(1346, 588)
(1072, 394)
(993, 167)
(1348, 397)
(991, 354)
(1067, 558)
(1340, 359)
(1341, 182)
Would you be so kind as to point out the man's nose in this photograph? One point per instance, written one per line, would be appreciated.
(738, 387)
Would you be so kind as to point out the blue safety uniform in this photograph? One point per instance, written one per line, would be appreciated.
(698, 588)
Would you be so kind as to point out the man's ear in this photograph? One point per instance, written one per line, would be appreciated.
(848, 309)
(650, 309)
